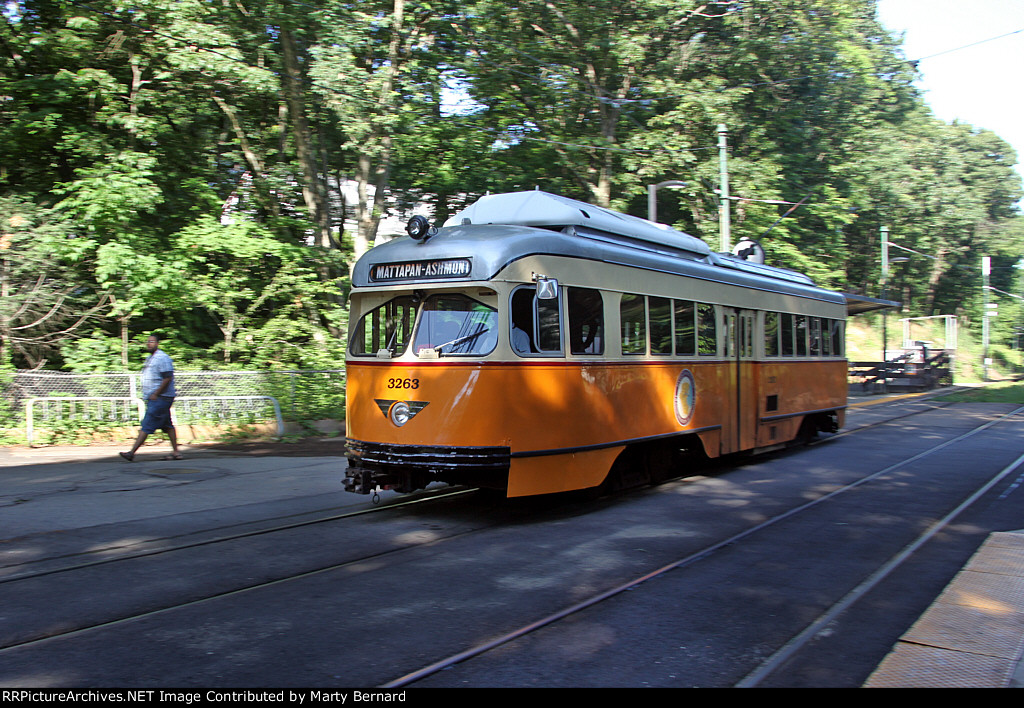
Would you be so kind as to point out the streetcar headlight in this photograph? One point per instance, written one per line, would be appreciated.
(400, 413)
(419, 228)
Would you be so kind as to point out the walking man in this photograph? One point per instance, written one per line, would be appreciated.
(158, 391)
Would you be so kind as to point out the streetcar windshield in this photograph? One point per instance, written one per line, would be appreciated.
(385, 328)
(454, 324)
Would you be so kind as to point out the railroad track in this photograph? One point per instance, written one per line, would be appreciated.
(125, 551)
(423, 546)
(107, 554)
(807, 634)
(110, 553)
(203, 554)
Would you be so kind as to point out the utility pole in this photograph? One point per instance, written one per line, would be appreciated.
(885, 312)
(723, 178)
(986, 269)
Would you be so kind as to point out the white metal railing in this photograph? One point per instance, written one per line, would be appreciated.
(308, 393)
(225, 408)
(126, 409)
(118, 409)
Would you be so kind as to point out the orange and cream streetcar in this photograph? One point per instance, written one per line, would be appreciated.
(538, 344)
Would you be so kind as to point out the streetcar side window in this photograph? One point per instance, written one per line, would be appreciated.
(747, 335)
(787, 335)
(549, 325)
(815, 333)
(586, 321)
(660, 315)
(729, 329)
(521, 314)
(771, 334)
(801, 335)
(707, 330)
(837, 337)
(386, 327)
(686, 329)
(633, 323)
(826, 339)
(536, 324)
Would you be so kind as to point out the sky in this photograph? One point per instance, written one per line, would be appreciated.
(980, 84)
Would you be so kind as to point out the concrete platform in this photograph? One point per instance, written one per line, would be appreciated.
(973, 635)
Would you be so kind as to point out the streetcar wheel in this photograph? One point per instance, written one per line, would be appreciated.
(629, 471)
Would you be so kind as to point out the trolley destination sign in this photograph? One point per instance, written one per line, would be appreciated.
(421, 270)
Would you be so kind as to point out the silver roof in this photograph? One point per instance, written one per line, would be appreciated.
(489, 248)
(546, 210)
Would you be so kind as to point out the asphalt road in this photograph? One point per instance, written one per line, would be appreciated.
(358, 601)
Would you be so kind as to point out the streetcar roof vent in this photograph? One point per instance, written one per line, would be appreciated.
(545, 210)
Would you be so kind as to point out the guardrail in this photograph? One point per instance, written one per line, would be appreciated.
(128, 410)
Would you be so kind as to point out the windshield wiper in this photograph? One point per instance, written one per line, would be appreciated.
(460, 340)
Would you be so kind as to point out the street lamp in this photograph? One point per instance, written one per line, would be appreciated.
(652, 196)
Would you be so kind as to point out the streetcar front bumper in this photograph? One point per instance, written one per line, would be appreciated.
(405, 468)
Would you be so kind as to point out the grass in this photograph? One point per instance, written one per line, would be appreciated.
(1005, 392)
(864, 343)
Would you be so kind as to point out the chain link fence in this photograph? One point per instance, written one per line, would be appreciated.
(233, 396)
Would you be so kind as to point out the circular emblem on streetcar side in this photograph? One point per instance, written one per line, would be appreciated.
(686, 397)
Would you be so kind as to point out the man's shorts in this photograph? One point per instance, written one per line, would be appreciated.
(158, 415)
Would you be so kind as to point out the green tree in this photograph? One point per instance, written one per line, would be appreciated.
(184, 161)
(245, 280)
(41, 308)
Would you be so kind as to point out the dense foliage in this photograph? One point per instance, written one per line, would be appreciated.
(207, 168)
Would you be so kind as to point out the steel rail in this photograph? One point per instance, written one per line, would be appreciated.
(235, 591)
(800, 640)
(220, 539)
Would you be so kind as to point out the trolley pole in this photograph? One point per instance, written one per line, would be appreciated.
(723, 178)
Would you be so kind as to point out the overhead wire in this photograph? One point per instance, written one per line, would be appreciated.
(968, 46)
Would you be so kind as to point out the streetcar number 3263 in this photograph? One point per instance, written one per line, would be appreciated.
(403, 383)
